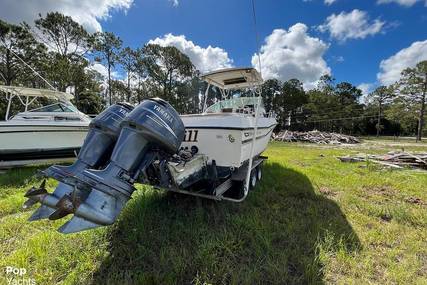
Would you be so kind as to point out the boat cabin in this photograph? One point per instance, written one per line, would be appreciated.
(63, 110)
(229, 80)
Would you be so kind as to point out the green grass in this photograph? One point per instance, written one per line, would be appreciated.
(312, 220)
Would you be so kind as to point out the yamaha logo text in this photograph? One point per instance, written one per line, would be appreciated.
(163, 113)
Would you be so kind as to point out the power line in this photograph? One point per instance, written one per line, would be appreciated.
(338, 108)
(340, 119)
(327, 113)
(330, 108)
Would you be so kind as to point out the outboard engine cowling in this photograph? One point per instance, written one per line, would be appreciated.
(95, 152)
(152, 129)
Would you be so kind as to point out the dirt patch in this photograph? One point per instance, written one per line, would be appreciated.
(417, 201)
(326, 191)
(301, 163)
(382, 190)
(422, 257)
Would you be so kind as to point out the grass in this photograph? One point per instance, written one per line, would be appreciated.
(312, 220)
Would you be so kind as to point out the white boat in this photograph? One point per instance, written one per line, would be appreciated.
(224, 131)
(53, 131)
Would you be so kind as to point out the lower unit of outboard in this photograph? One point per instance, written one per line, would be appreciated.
(152, 130)
(95, 152)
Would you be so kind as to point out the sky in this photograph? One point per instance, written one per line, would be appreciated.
(366, 43)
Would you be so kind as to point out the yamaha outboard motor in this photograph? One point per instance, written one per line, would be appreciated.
(103, 132)
(152, 130)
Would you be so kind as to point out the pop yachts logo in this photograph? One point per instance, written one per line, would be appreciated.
(17, 276)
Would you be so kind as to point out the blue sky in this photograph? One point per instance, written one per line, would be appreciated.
(348, 38)
(229, 25)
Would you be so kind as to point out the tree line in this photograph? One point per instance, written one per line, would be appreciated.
(398, 109)
(61, 51)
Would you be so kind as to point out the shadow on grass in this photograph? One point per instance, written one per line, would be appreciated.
(21, 176)
(277, 236)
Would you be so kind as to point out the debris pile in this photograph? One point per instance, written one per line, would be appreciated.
(315, 137)
(398, 160)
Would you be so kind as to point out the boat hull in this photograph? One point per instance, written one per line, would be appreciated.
(23, 142)
(226, 138)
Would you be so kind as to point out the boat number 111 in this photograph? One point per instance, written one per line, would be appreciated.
(191, 135)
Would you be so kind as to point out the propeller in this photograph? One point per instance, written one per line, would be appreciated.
(34, 195)
(37, 191)
(64, 206)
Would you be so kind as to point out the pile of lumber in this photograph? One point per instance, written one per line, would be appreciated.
(315, 137)
(397, 160)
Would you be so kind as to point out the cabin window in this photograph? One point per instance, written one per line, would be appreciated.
(58, 107)
(61, 118)
(238, 104)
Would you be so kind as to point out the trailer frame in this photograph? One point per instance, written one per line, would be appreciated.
(237, 176)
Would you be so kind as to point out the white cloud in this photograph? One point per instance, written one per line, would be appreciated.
(391, 67)
(366, 88)
(352, 25)
(338, 58)
(292, 53)
(330, 2)
(175, 3)
(406, 3)
(86, 12)
(102, 69)
(205, 59)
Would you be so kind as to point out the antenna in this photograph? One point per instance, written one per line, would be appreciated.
(256, 37)
(255, 128)
(27, 65)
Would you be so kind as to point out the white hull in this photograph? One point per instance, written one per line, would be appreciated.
(23, 141)
(226, 138)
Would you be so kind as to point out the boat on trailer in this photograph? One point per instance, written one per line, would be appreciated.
(224, 134)
(50, 132)
(216, 154)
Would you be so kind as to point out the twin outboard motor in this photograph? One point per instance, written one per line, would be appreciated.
(95, 152)
(151, 131)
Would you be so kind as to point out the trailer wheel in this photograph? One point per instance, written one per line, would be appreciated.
(259, 173)
(253, 179)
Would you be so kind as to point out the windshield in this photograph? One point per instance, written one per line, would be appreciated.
(57, 107)
(235, 104)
